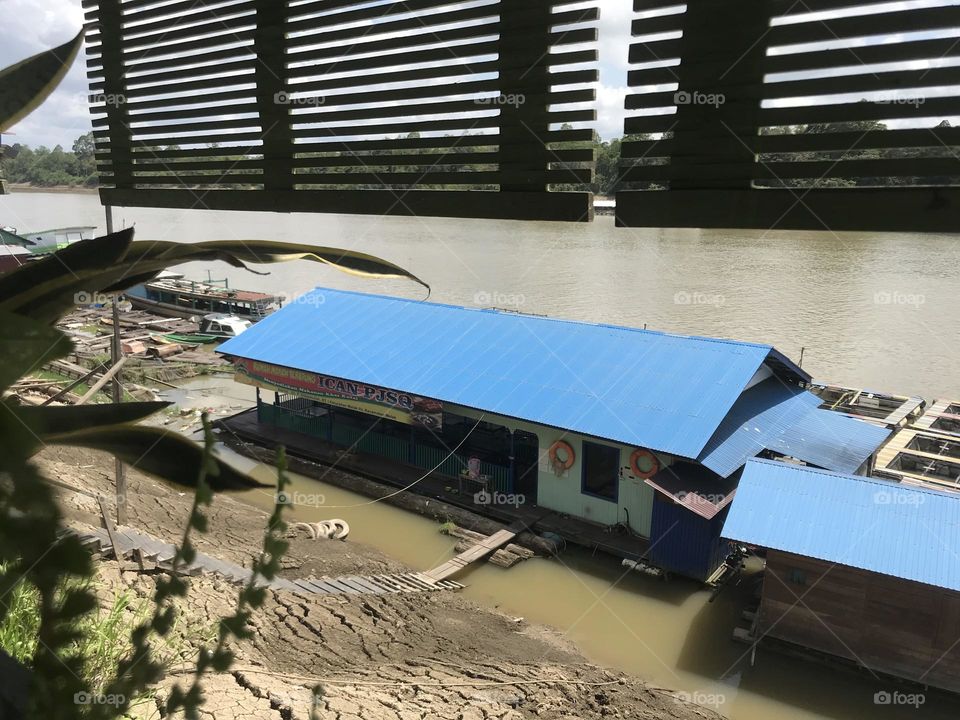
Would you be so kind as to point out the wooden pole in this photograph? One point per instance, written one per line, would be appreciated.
(104, 379)
(117, 359)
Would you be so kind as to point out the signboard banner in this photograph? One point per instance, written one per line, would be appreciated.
(361, 397)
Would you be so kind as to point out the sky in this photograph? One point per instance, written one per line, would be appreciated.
(31, 26)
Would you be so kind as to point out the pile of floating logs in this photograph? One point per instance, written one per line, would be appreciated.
(507, 556)
(141, 336)
(147, 356)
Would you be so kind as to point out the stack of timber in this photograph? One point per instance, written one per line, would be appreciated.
(506, 557)
(147, 339)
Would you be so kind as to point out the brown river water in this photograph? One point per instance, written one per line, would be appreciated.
(876, 311)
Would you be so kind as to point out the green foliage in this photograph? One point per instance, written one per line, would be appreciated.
(43, 167)
(27, 83)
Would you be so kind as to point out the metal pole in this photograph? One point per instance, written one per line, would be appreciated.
(800, 364)
(116, 355)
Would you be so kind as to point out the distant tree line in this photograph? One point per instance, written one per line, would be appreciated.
(44, 167)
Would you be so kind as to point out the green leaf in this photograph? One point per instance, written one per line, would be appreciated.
(156, 451)
(29, 82)
(47, 292)
(26, 344)
(47, 288)
(58, 420)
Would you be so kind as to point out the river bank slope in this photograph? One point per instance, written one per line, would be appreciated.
(392, 657)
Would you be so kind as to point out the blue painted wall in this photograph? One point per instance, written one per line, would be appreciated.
(685, 543)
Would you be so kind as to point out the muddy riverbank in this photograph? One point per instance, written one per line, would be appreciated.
(435, 655)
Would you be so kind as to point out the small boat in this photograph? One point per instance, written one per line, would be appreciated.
(47, 241)
(172, 295)
(223, 326)
(191, 338)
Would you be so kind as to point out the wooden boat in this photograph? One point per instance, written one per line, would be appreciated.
(172, 295)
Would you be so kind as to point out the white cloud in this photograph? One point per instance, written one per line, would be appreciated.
(32, 26)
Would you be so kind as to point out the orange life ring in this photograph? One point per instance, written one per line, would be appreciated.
(651, 460)
(567, 463)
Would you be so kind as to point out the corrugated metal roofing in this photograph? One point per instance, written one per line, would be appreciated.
(694, 487)
(640, 387)
(775, 416)
(831, 440)
(760, 414)
(881, 526)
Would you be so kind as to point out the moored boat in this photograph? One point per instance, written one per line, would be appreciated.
(47, 241)
(220, 325)
(171, 294)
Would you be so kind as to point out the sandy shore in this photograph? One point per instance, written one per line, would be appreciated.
(377, 657)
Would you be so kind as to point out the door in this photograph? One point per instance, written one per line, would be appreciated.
(526, 454)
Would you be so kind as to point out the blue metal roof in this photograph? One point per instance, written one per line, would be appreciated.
(759, 416)
(867, 523)
(776, 416)
(831, 440)
(640, 387)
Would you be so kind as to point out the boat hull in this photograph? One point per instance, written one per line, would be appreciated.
(162, 308)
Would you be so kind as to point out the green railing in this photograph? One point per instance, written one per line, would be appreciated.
(372, 442)
(429, 457)
(315, 425)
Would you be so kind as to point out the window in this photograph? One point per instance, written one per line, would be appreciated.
(797, 576)
(601, 470)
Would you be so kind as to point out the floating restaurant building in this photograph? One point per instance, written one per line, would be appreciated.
(857, 568)
(625, 439)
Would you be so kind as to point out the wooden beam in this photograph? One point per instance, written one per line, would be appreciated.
(102, 381)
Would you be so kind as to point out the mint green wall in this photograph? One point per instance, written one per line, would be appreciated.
(563, 493)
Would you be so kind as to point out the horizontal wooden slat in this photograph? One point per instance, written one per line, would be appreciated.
(795, 170)
(695, 143)
(438, 37)
(654, 51)
(859, 111)
(213, 61)
(153, 81)
(139, 13)
(472, 124)
(361, 37)
(157, 36)
(841, 57)
(565, 206)
(183, 48)
(874, 209)
(890, 23)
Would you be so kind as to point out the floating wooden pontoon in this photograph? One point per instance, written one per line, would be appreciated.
(927, 452)
(891, 411)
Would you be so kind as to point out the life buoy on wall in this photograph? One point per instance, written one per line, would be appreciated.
(647, 458)
(566, 462)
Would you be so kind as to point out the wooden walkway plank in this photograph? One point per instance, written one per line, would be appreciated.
(128, 539)
(477, 552)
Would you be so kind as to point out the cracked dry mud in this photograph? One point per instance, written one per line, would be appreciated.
(390, 657)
